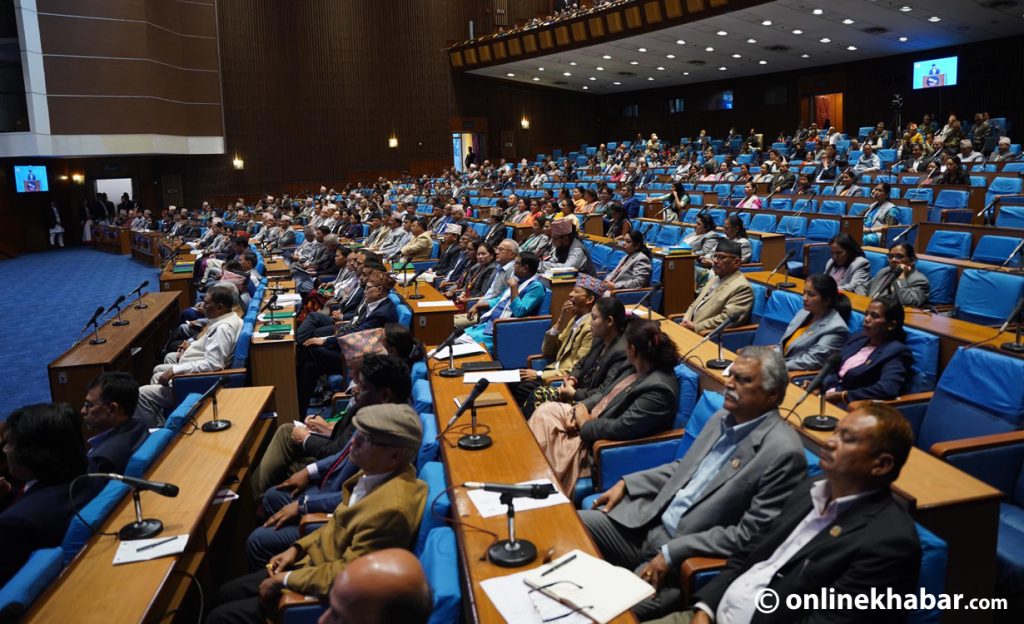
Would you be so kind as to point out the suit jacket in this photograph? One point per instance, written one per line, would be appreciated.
(912, 292)
(387, 517)
(385, 312)
(813, 347)
(633, 271)
(419, 248)
(857, 275)
(563, 354)
(449, 258)
(114, 451)
(719, 299)
(872, 544)
(742, 500)
(645, 407)
(599, 371)
(495, 234)
(36, 520)
(883, 376)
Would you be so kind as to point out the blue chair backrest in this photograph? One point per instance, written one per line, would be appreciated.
(92, 515)
(745, 218)
(440, 560)
(419, 371)
(920, 193)
(404, 311)
(432, 474)
(689, 390)
(690, 216)
(656, 270)
(781, 203)
(805, 205)
(599, 255)
(941, 281)
(925, 348)
(995, 249)
(517, 340)
(244, 340)
(1003, 186)
(615, 256)
(545, 304)
(149, 451)
(759, 301)
(22, 589)
(669, 235)
(1010, 216)
(755, 249)
(950, 244)
(709, 403)
(877, 260)
(932, 576)
(949, 198)
(980, 393)
(718, 215)
(300, 237)
(792, 226)
(429, 446)
(987, 297)
(763, 223)
(780, 309)
(822, 230)
(422, 397)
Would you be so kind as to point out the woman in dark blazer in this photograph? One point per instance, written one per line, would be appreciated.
(639, 404)
(819, 330)
(478, 277)
(848, 266)
(876, 361)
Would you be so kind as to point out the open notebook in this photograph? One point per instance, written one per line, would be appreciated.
(590, 585)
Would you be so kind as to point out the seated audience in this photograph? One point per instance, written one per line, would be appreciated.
(704, 239)
(107, 412)
(881, 214)
(876, 360)
(383, 587)
(538, 242)
(901, 279)
(847, 188)
(819, 330)
(618, 224)
(735, 231)
(800, 553)
(675, 202)
(641, 403)
(869, 162)
(750, 198)
(523, 297)
(728, 488)
(496, 231)
(954, 173)
(567, 249)
(848, 266)
(420, 245)
(477, 277)
(726, 294)
(634, 270)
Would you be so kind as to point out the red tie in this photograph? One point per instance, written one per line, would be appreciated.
(337, 463)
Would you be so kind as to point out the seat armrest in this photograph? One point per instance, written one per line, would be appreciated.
(525, 318)
(898, 402)
(675, 318)
(217, 373)
(530, 359)
(693, 566)
(794, 375)
(977, 443)
(306, 522)
(740, 329)
(601, 446)
(291, 599)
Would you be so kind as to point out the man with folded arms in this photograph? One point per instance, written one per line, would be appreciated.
(845, 534)
(726, 490)
(382, 506)
(728, 292)
(110, 402)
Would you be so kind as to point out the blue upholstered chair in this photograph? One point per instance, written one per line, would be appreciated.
(987, 297)
(18, 594)
(950, 244)
(996, 249)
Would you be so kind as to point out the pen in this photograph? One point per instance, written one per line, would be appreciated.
(558, 565)
(161, 543)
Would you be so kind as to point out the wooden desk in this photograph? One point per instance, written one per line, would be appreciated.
(679, 280)
(276, 266)
(111, 238)
(147, 330)
(514, 457)
(593, 224)
(773, 247)
(560, 290)
(431, 325)
(93, 590)
(952, 333)
(145, 247)
(272, 362)
(946, 500)
(180, 283)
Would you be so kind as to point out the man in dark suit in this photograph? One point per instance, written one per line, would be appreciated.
(727, 489)
(844, 534)
(784, 179)
(110, 402)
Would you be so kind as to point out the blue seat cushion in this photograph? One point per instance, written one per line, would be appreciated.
(1010, 550)
(41, 569)
(440, 560)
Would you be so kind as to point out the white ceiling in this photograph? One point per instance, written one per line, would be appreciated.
(628, 69)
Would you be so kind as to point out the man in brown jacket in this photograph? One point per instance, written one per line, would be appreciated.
(381, 507)
(725, 294)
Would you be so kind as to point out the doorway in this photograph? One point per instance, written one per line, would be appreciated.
(826, 109)
(462, 142)
(114, 188)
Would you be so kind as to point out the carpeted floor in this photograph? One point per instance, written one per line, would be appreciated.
(50, 296)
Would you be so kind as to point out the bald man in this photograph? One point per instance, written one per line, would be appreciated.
(380, 588)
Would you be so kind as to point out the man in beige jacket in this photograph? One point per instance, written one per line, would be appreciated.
(728, 292)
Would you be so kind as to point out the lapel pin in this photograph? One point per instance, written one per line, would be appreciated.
(735, 463)
(835, 531)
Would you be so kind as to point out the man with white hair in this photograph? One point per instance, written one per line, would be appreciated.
(967, 154)
(1002, 152)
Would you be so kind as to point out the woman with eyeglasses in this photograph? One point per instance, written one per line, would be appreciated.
(901, 279)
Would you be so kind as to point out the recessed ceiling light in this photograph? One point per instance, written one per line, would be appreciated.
(847, 21)
(709, 49)
(751, 40)
(573, 63)
(650, 77)
(797, 31)
(906, 9)
(817, 11)
(722, 68)
(825, 40)
(686, 73)
(934, 18)
(851, 48)
(762, 62)
(566, 74)
(607, 57)
(737, 56)
(805, 55)
(766, 23)
(599, 68)
(592, 78)
(634, 62)
(721, 33)
(585, 87)
(660, 68)
(616, 83)
(903, 39)
(510, 75)
(535, 79)
(680, 42)
(641, 49)
(540, 69)
(670, 56)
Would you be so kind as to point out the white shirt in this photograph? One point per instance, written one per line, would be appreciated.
(365, 485)
(737, 605)
(214, 349)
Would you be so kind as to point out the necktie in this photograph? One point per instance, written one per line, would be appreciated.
(336, 465)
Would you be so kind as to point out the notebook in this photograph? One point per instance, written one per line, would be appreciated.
(595, 587)
(487, 399)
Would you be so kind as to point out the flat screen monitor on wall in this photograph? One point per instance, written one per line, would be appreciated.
(30, 179)
(935, 73)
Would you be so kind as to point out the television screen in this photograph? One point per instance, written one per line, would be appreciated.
(721, 100)
(935, 73)
(31, 179)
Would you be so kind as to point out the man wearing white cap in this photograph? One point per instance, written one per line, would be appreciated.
(1002, 152)
(968, 155)
(450, 256)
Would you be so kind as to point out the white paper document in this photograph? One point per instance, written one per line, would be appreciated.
(493, 376)
(489, 503)
(224, 496)
(286, 298)
(468, 348)
(144, 549)
(434, 304)
(518, 605)
(278, 316)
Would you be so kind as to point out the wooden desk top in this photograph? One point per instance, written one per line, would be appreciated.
(118, 338)
(925, 479)
(92, 589)
(957, 262)
(514, 457)
(275, 265)
(956, 329)
(430, 294)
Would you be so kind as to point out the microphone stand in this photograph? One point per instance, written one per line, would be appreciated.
(120, 322)
(415, 286)
(216, 423)
(474, 441)
(96, 334)
(719, 363)
(786, 283)
(511, 553)
(821, 422)
(140, 305)
(141, 528)
(1015, 346)
(451, 371)
(1018, 251)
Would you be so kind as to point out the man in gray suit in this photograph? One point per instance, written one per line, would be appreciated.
(726, 490)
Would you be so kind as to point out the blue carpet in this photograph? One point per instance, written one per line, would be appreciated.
(51, 295)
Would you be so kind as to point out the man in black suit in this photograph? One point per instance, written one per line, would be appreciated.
(110, 401)
(845, 534)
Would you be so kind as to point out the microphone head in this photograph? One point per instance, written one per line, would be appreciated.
(792, 252)
(143, 284)
(482, 384)
(99, 311)
(118, 302)
(169, 490)
(459, 331)
(834, 361)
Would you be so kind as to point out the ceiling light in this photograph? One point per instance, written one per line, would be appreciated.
(566, 74)
(573, 63)
(592, 78)
(737, 56)
(817, 11)
(766, 23)
(540, 69)
(641, 49)
(535, 79)
(680, 42)
(686, 73)
(510, 75)
(670, 56)
(751, 40)
(797, 31)
(709, 49)
(903, 39)
(805, 55)
(825, 40)
(634, 62)
(660, 68)
(934, 18)
(851, 48)
(599, 68)
(906, 9)
(616, 83)
(721, 33)
(650, 77)
(847, 21)
(762, 62)
(585, 87)
(722, 68)
(607, 57)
